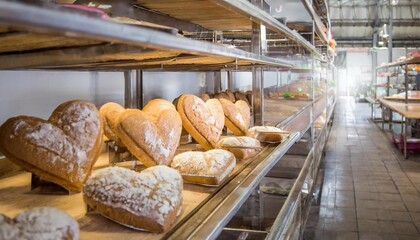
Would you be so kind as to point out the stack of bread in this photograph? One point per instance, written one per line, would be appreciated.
(229, 95)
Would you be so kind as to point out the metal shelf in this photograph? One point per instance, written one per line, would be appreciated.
(224, 15)
(415, 60)
(163, 49)
(319, 26)
(208, 222)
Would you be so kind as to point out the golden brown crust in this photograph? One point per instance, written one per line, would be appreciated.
(150, 200)
(205, 97)
(222, 95)
(151, 135)
(129, 219)
(211, 167)
(242, 96)
(237, 116)
(203, 120)
(242, 147)
(62, 150)
(109, 114)
(230, 95)
(267, 134)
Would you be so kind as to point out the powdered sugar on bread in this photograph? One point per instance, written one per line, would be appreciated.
(62, 149)
(152, 134)
(204, 121)
(215, 163)
(266, 129)
(153, 193)
(39, 223)
(238, 142)
(237, 116)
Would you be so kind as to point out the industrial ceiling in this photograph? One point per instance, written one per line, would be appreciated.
(367, 23)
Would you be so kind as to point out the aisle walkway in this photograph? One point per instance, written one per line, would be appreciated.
(367, 193)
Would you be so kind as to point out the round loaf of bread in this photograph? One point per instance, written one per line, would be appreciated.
(150, 200)
(39, 223)
(242, 147)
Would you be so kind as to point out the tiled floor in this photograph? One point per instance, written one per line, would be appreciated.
(369, 192)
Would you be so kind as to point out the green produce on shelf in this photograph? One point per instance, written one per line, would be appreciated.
(275, 190)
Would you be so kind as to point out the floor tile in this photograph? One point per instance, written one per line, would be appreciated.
(347, 236)
(369, 192)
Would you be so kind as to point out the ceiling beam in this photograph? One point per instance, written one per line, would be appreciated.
(368, 22)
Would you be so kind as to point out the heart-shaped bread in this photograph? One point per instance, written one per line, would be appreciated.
(237, 116)
(215, 163)
(242, 96)
(150, 200)
(203, 120)
(152, 135)
(40, 223)
(62, 150)
(109, 113)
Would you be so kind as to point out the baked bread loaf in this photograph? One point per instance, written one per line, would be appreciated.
(242, 96)
(39, 223)
(205, 97)
(222, 95)
(151, 135)
(203, 120)
(237, 116)
(268, 134)
(210, 167)
(242, 147)
(230, 95)
(62, 150)
(150, 200)
(109, 113)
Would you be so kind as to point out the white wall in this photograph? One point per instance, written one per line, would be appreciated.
(170, 85)
(38, 93)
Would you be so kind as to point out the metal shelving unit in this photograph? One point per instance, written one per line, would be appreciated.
(391, 104)
(51, 39)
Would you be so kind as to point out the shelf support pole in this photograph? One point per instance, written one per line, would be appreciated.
(139, 89)
(257, 78)
(128, 89)
(217, 81)
(230, 81)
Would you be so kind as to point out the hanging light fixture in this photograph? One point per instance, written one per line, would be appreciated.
(385, 31)
(394, 2)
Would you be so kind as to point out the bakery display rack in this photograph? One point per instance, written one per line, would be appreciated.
(399, 98)
(52, 38)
